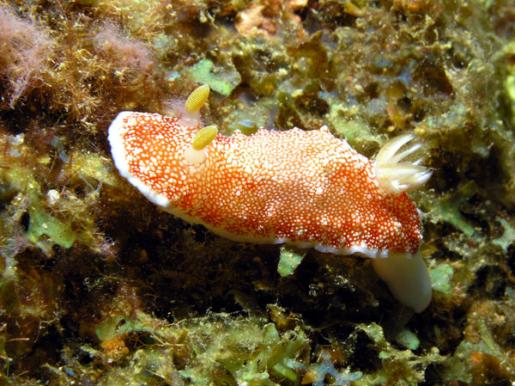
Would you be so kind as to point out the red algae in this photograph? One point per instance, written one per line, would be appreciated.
(25, 50)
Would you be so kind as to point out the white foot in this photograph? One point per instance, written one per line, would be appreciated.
(407, 278)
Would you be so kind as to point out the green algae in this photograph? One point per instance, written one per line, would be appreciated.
(92, 167)
(216, 347)
(356, 132)
(43, 225)
(44, 230)
(249, 117)
(448, 208)
(118, 325)
(222, 79)
(508, 235)
(454, 370)
(252, 355)
(289, 260)
(246, 126)
(320, 372)
(400, 366)
(408, 339)
(441, 278)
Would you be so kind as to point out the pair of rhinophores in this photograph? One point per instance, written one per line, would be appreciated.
(303, 188)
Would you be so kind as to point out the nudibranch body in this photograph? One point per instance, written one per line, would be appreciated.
(306, 188)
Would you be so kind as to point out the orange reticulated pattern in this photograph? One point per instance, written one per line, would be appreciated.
(300, 186)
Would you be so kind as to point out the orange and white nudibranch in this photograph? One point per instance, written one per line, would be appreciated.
(305, 188)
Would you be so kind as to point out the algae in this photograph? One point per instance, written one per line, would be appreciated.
(221, 79)
(408, 339)
(289, 259)
(402, 367)
(43, 224)
(441, 278)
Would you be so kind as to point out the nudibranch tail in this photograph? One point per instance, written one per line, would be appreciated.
(394, 174)
(407, 278)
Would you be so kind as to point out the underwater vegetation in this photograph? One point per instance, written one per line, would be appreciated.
(98, 286)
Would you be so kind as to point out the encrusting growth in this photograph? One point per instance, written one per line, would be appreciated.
(306, 188)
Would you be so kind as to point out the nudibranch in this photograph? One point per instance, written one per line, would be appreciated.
(304, 188)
